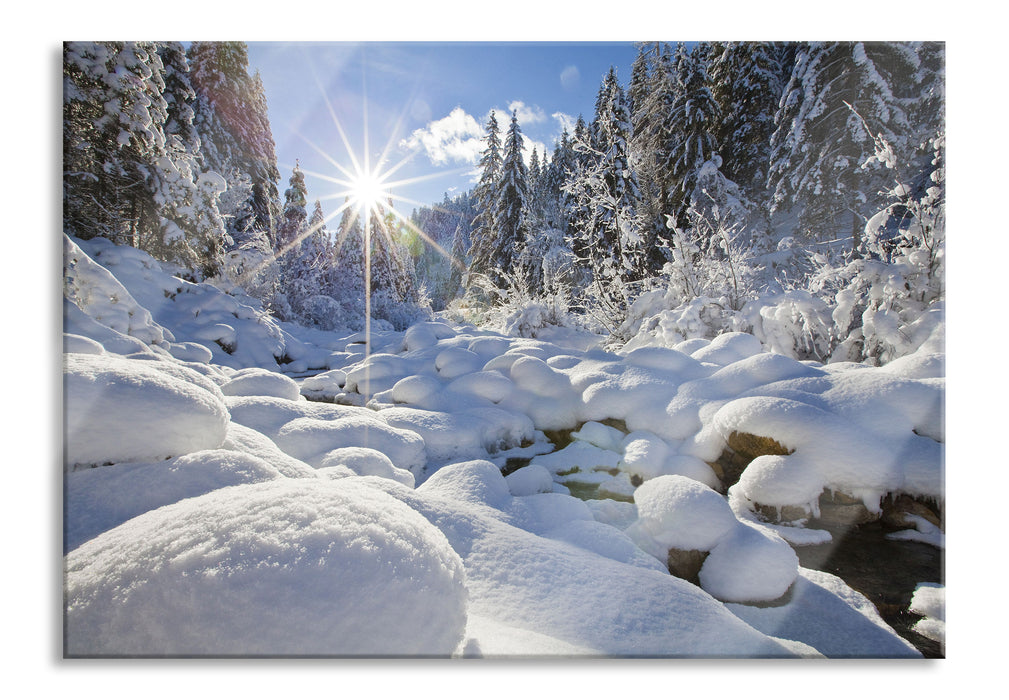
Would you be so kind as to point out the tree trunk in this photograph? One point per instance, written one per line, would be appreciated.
(856, 235)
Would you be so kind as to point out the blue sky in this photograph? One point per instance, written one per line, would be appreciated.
(426, 105)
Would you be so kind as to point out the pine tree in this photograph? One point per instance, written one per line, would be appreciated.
(511, 207)
(113, 132)
(393, 279)
(695, 113)
(458, 263)
(578, 194)
(309, 273)
(555, 201)
(746, 84)
(652, 146)
(485, 194)
(190, 199)
(606, 196)
(231, 117)
(294, 218)
(840, 95)
(293, 229)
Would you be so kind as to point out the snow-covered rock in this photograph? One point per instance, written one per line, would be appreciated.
(100, 499)
(120, 410)
(744, 562)
(929, 601)
(260, 382)
(289, 567)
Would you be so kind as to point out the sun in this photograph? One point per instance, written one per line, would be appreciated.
(368, 191)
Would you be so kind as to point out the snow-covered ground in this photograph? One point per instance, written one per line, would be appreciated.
(235, 486)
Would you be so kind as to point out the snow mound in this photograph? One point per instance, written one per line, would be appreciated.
(746, 562)
(826, 614)
(474, 482)
(120, 410)
(366, 462)
(103, 298)
(834, 447)
(73, 343)
(600, 435)
(519, 580)
(121, 289)
(681, 513)
(529, 480)
(244, 439)
(648, 456)
(604, 540)
(308, 430)
(309, 439)
(100, 499)
(750, 564)
(324, 386)
(261, 382)
(290, 567)
(459, 435)
(491, 386)
(728, 348)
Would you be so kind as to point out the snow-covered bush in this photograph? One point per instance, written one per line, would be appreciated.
(323, 312)
(401, 314)
(794, 323)
(517, 309)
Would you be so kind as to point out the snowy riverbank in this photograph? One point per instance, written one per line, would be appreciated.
(212, 509)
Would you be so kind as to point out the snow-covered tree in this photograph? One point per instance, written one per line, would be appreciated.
(306, 289)
(695, 115)
(113, 133)
(131, 155)
(460, 246)
(652, 145)
(440, 254)
(714, 252)
(290, 232)
(237, 142)
(485, 194)
(840, 95)
(394, 292)
(511, 206)
(345, 280)
(606, 227)
(746, 83)
(190, 198)
(294, 218)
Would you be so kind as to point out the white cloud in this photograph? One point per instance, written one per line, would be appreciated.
(566, 121)
(527, 149)
(456, 138)
(570, 77)
(527, 114)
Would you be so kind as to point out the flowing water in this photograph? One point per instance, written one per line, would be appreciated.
(885, 571)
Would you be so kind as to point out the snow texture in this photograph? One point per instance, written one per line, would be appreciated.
(328, 567)
(118, 410)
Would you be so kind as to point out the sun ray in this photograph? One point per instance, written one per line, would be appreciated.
(430, 176)
(369, 190)
(430, 241)
(336, 164)
(337, 124)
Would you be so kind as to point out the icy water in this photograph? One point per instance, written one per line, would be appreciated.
(885, 571)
